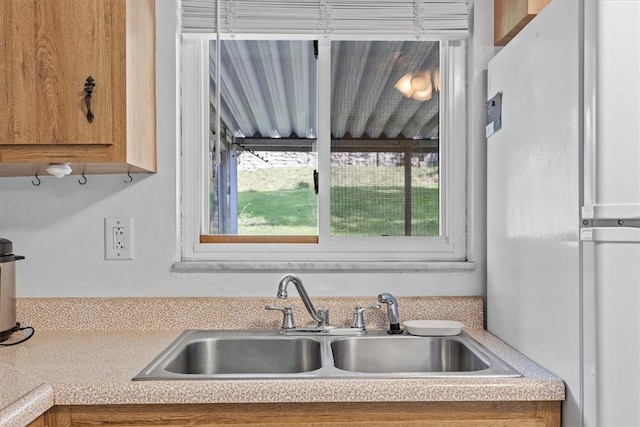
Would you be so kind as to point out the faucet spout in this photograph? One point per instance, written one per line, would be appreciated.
(392, 312)
(320, 316)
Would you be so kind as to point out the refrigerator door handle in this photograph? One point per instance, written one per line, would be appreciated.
(610, 223)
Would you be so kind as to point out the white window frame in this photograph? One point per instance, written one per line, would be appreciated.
(447, 251)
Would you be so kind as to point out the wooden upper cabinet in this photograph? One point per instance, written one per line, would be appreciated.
(511, 16)
(49, 51)
(52, 47)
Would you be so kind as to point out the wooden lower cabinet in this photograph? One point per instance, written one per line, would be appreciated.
(494, 414)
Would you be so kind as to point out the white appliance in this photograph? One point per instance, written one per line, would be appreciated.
(563, 213)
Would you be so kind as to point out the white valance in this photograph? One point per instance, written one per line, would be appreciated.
(326, 17)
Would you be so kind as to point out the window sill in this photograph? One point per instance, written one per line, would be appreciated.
(346, 266)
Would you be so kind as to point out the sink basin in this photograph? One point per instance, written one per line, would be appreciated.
(246, 355)
(405, 354)
(265, 354)
(205, 354)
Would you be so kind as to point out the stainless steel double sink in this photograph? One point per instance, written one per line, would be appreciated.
(263, 354)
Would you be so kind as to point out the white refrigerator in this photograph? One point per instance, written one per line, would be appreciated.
(563, 203)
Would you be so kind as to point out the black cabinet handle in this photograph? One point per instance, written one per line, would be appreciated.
(88, 88)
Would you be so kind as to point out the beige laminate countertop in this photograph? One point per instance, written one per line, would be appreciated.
(95, 367)
(22, 397)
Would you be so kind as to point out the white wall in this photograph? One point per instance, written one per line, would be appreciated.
(59, 226)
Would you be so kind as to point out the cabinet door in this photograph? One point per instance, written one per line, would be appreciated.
(48, 49)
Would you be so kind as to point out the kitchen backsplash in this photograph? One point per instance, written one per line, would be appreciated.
(227, 313)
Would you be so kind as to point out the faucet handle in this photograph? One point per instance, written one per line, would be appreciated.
(358, 318)
(287, 318)
(323, 314)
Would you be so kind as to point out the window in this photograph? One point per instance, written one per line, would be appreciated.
(385, 129)
(263, 183)
(341, 147)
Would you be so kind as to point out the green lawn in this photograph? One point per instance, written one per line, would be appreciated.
(286, 204)
(380, 211)
(277, 212)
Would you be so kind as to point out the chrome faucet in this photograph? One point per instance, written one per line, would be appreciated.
(319, 316)
(392, 312)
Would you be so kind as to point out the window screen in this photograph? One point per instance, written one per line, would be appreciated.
(385, 165)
